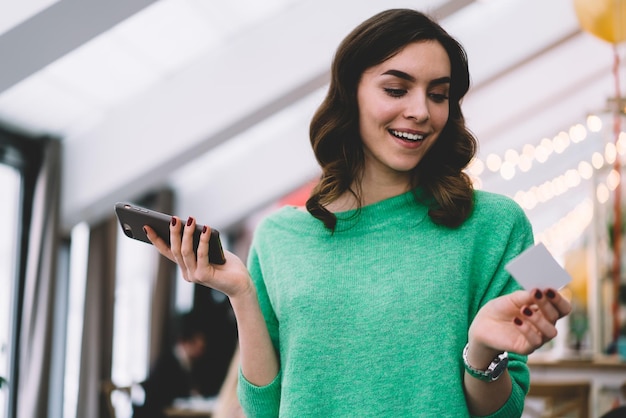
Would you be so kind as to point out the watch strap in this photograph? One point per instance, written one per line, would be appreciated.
(493, 371)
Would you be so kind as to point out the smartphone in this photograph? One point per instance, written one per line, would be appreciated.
(132, 219)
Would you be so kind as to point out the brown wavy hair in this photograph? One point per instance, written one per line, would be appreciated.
(334, 130)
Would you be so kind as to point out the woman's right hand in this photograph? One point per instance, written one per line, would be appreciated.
(259, 361)
(231, 278)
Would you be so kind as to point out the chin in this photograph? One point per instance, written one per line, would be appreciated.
(405, 167)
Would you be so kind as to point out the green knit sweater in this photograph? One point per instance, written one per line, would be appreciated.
(371, 321)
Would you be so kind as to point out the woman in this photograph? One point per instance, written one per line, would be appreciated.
(386, 296)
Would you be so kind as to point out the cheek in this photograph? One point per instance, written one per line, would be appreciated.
(369, 118)
(439, 118)
(376, 109)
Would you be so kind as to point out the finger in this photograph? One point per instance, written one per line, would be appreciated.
(533, 338)
(521, 298)
(186, 249)
(175, 246)
(203, 247)
(562, 305)
(548, 310)
(158, 242)
(175, 231)
(544, 326)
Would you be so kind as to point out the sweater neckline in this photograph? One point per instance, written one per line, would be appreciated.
(409, 207)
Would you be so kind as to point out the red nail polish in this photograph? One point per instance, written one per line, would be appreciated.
(517, 321)
(189, 221)
(173, 221)
(204, 229)
(550, 294)
(527, 312)
(538, 294)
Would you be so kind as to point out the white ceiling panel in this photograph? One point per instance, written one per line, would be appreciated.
(42, 106)
(54, 32)
(168, 35)
(17, 12)
(104, 71)
(533, 87)
(499, 35)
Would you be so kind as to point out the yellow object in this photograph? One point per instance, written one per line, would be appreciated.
(605, 19)
(576, 265)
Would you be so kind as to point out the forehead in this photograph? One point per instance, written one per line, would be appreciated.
(422, 60)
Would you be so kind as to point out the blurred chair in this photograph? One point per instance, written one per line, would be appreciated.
(110, 389)
(560, 399)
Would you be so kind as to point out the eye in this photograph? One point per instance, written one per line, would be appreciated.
(395, 92)
(438, 97)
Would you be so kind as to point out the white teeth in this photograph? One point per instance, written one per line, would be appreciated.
(406, 135)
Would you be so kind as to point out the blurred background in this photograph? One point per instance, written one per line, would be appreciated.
(201, 108)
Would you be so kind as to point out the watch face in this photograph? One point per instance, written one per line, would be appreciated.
(499, 367)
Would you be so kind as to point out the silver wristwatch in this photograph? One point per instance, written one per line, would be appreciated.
(493, 371)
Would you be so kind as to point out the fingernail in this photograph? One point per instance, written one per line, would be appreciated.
(204, 229)
(517, 321)
(189, 221)
(173, 221)
(550, 293)
(145, 231)
(538, 294)
(527, 312)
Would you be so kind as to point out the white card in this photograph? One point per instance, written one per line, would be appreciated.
(536, 268)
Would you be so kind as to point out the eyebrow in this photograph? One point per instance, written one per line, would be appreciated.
(409, 77)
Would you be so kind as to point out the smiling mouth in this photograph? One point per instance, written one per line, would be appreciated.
(407, 136)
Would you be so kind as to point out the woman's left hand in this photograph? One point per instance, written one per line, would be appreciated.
(519, 322)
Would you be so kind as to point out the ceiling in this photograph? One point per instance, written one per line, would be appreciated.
(214, 98)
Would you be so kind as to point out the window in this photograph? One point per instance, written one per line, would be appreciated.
(136, 270)
(10, 185)
(76, 305)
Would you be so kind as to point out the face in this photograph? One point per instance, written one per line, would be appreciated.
(403, 107)
(196, 346)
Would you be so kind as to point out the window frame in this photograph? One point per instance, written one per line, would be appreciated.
(25, 155)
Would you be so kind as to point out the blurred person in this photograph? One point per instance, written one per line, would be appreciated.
(386, 296)
(172, 374)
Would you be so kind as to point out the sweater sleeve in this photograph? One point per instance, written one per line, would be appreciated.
(261, 401)
(520, 238)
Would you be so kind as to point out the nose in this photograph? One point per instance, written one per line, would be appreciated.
(417, 109)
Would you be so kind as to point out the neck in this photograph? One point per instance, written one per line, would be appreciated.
(379, 184)
(377, 191)
(372, 191)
